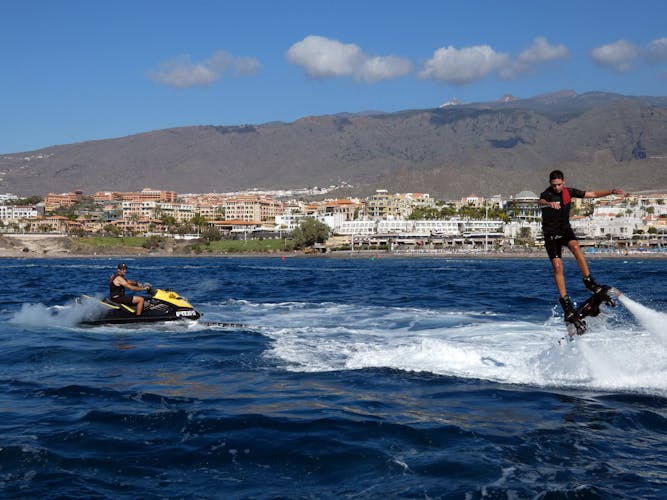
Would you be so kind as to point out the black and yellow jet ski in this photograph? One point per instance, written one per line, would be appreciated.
(161, 305)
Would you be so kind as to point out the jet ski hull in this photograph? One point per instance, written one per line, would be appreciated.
(161, 306)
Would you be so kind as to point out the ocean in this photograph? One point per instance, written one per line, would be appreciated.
(369, 377)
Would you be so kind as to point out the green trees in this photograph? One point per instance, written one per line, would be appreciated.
(309, 232)
(425, 213)
(199, 222)
(211, 234)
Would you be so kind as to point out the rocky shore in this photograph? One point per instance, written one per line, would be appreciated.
(45, 245)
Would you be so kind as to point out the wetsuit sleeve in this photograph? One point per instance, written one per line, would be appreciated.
(576, 193)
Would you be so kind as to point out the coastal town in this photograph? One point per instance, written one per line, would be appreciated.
(399, 222)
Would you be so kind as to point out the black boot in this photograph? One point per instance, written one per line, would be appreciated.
(568, 308)
(590, 283)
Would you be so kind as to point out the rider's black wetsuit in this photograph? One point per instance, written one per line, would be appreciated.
(117, 292)
(556, 223)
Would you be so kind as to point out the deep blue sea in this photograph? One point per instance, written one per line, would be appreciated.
(351, 378)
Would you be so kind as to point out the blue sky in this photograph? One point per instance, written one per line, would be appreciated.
(79, 70)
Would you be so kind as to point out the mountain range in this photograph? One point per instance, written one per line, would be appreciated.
(600, 140)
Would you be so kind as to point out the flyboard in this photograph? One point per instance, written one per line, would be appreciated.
(590, 307)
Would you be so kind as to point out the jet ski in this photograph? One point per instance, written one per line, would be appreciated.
(160, 305)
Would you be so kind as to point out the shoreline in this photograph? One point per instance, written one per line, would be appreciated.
(5, 255)
(52, 247)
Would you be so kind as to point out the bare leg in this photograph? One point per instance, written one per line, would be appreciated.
(579, 255)
(139, 301)
(559, 276)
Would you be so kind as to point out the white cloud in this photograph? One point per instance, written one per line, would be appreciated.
(541, 51)
(462, 66)
(619, 56)
(181, 72)
(657, 50)
(323, 57)
(376, 69)
(222, 61)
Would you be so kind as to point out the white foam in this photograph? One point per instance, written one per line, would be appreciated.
(654, 321)
(617, 354)
(39, 315)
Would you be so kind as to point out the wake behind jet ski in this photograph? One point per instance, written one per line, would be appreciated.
(160, 305)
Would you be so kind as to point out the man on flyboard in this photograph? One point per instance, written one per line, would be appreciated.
(558, 233)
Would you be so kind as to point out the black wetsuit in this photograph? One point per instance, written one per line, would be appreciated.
(556, 223)
(117, 292)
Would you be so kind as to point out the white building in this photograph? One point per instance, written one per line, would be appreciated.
(394, 226)
(16, 212)
(356, 227)
(606, 227)
(515, 229)
(438, 227)
(290, 221)
(478, 226)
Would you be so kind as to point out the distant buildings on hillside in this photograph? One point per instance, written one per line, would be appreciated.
(381, 217)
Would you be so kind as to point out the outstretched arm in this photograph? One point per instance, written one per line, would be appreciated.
(606, 192)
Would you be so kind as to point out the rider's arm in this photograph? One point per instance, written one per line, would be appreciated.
(606, 192)
(129, 284)
(544, 203)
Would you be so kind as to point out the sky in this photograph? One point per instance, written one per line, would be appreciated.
(80, 70)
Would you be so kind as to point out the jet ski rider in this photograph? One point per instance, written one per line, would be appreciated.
(118, 284)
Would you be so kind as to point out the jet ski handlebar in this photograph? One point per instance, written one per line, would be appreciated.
(147, 287)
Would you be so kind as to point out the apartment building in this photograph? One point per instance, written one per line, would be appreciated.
(54, 201)
(383, 206)
(146, 194)
(252, 208)
(138, 210)
(346, 207)
(146, 210)
(209, 212)
(158, 195)
(180, 211)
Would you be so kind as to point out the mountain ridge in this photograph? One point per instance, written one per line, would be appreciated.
(500, 147)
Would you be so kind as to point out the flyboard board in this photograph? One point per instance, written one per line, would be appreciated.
(591, 307)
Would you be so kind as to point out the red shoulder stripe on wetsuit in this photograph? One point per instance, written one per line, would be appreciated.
(566, 196)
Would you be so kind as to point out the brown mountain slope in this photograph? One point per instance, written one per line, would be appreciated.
(599, 139)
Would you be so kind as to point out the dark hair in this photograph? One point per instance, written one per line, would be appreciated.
(556, 174)
(122, 266)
